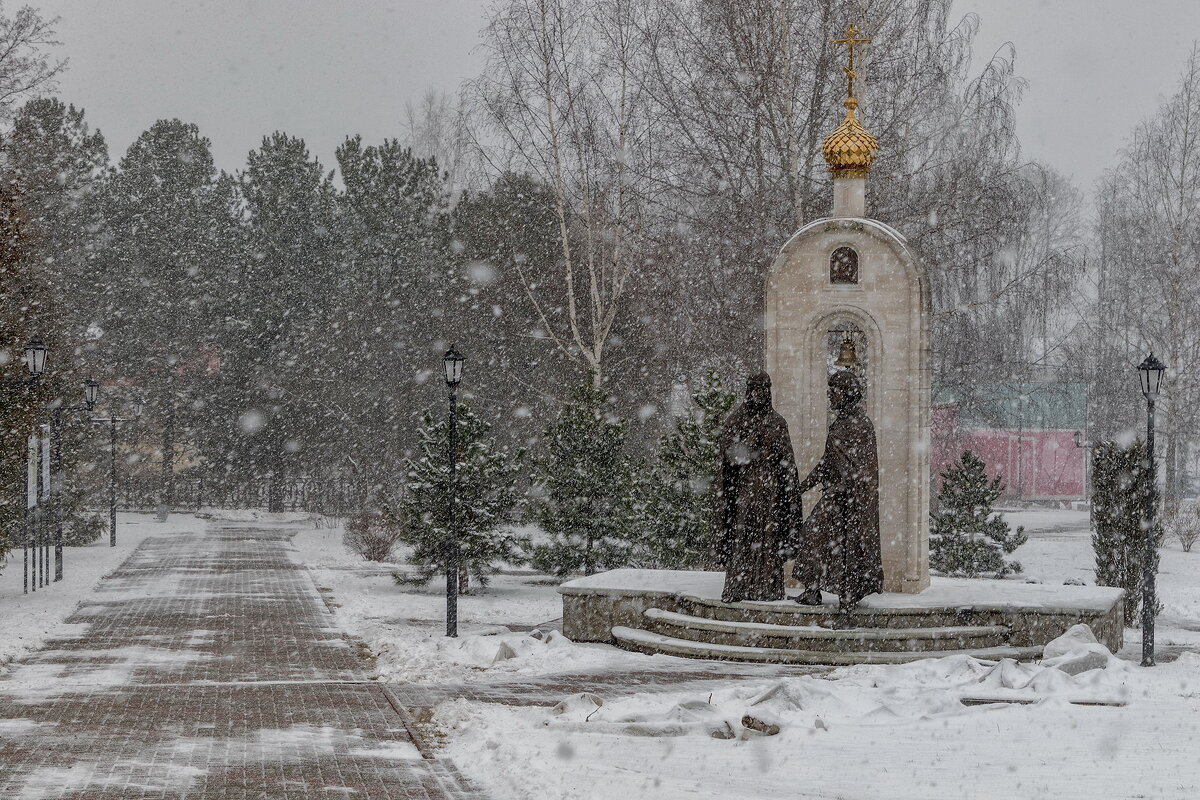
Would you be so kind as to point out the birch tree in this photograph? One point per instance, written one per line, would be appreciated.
(561, 98)
(1150, 228)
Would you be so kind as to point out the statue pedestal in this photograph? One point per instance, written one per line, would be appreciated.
(680, 613)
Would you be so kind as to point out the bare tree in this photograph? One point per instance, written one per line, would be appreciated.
(560, 95)
(1149, 227)
(440, 126)
(25, 66)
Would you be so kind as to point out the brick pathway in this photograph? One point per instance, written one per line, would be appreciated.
(207, 666)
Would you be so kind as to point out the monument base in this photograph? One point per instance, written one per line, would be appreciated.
(680, 613)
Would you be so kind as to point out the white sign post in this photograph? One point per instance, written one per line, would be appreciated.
(31, 473)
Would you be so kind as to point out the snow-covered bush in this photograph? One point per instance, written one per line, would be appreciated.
(83, 529)
(965, 538)
(1119, 484)
(1184, 527)
(371, 535)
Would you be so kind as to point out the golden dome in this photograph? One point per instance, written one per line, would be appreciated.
(849, 150)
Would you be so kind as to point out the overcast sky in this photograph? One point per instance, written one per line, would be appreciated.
(321, 69)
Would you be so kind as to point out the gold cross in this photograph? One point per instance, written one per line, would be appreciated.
(850, 41)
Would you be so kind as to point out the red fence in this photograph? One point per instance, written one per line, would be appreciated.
(1035, 464)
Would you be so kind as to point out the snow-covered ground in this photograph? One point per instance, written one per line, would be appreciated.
(860, 732)
(405, 626)
(29, 619)
(1060, 549)
(863, 732)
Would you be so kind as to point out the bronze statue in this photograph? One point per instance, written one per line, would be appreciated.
(840, 551)
(757, 515)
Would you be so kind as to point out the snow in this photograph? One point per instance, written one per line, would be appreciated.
(949, 727)
(898, 732)
(29, 620)
(942, 592)
(404, 626)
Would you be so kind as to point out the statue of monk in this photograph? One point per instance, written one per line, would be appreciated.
(757, 515)
(840, 550)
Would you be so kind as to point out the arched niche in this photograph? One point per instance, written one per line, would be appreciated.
(843, 266)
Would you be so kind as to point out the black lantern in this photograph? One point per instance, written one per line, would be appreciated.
(91, 392)
(453, 363)
(35, 357)
(1151, 372)
(139, 405)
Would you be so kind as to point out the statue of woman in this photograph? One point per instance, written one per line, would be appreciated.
(757, 515)
(841, 551)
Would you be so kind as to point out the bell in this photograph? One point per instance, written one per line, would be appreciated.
(846, 355)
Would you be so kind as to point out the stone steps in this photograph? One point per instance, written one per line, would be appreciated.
(657, 643)
(828, 616)
(772, 636)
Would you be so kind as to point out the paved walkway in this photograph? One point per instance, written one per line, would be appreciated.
(208, 666)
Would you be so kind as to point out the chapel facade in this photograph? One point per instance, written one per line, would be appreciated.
(852, 279)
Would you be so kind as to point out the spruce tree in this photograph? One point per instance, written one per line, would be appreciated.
(965, 537)
(678, 506)
(584, 494)
(1119, 484)
(487, 500)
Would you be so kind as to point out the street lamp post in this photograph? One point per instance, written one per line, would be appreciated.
(1150, 372)
(452, 362)
(35, 363)
(93, 390)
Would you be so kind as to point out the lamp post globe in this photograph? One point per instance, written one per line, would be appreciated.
(452, 363)
(35, 357)
(1150, 371)
(91, 392)
(1150, 374)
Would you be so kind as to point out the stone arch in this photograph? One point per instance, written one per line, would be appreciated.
(814, 342)
(847, 232)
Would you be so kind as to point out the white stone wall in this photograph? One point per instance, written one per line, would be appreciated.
(891, 304)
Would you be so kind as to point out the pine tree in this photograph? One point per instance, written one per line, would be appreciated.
(487, 500)
(55, 164)
(678, 505)
(395, 285)
(1119, 484)
(283, 358)
(965, 538)
(584, 494)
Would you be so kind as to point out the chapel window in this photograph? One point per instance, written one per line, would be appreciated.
(843, 266)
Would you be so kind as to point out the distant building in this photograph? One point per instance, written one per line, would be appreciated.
(1024, 432)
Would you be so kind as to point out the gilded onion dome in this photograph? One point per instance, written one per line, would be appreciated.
(849, 150)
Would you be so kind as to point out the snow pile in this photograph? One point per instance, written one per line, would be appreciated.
(424, 654)
(766, 738)
(865, 694)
